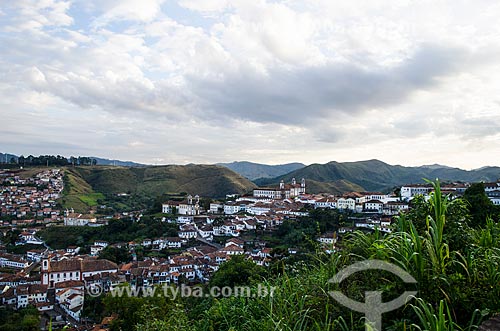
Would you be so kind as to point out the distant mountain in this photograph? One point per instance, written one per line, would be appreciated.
(254, 171)
(375, 175)
(101, 161)
(435, 166)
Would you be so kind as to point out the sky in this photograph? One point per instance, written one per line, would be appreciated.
(207, 81)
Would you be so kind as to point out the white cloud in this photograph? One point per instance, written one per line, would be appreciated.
(127, 10)
(35, 15)
(269, 81)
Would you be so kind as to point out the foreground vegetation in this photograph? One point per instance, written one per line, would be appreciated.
(455, 261)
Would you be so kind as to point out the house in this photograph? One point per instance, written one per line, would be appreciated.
(231, 208)
(346, 203)
(232, 250)
(77, 219)
(174, 242)
(216, 208)
(22, 293)
(35, 254)
(235, 241)
(329, 238)
(95, 250)
(206, 231)
(71, 300)
(373, 206)
(12, 261)
(72, 250)
(394, 208)
(330, 203)
(188, 231)
(409, 191)
(101, 243)
(259, 209)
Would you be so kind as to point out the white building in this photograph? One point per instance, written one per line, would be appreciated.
(231, 208)
(394, 208)
(12, 261)
(374, 206)
(189, 206)
(76, 219)
(216, 208)
(75, 269)
(346, 203)
(410, 191)
(330, 203)
(328, 238)
(283, 191)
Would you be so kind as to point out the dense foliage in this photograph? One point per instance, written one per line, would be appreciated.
(116, 231)
(458, 282)
(26, 319)
(52, 160)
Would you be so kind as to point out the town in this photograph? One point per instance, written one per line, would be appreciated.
(57, 281)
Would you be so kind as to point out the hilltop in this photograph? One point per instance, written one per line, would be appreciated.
(254, 171)
(375, 175)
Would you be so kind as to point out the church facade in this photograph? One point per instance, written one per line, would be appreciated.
(284, 191)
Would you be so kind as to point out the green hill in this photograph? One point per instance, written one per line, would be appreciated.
(204, 180)
(87, 184)
(375, 175)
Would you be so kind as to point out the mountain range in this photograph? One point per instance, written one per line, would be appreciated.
(102, 161)
(375, 175)
(115, 176)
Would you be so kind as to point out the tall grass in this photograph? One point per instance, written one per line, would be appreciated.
(438, 250)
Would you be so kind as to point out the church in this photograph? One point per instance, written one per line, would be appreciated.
(284, 191)
(76, 269)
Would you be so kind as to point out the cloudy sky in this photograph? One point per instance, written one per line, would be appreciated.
(205, 81)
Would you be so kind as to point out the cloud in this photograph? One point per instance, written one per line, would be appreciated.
(269, 81)
(127, 10)
(33, 15)
(305, 95)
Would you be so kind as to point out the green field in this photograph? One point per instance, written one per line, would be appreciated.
(78, 194)
(91, 199)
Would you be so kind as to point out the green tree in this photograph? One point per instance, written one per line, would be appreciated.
(480, 206)
(236, 272)
(115, 254)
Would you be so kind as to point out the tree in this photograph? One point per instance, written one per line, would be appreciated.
(117, 255)
(480, 206)
(236, 272)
